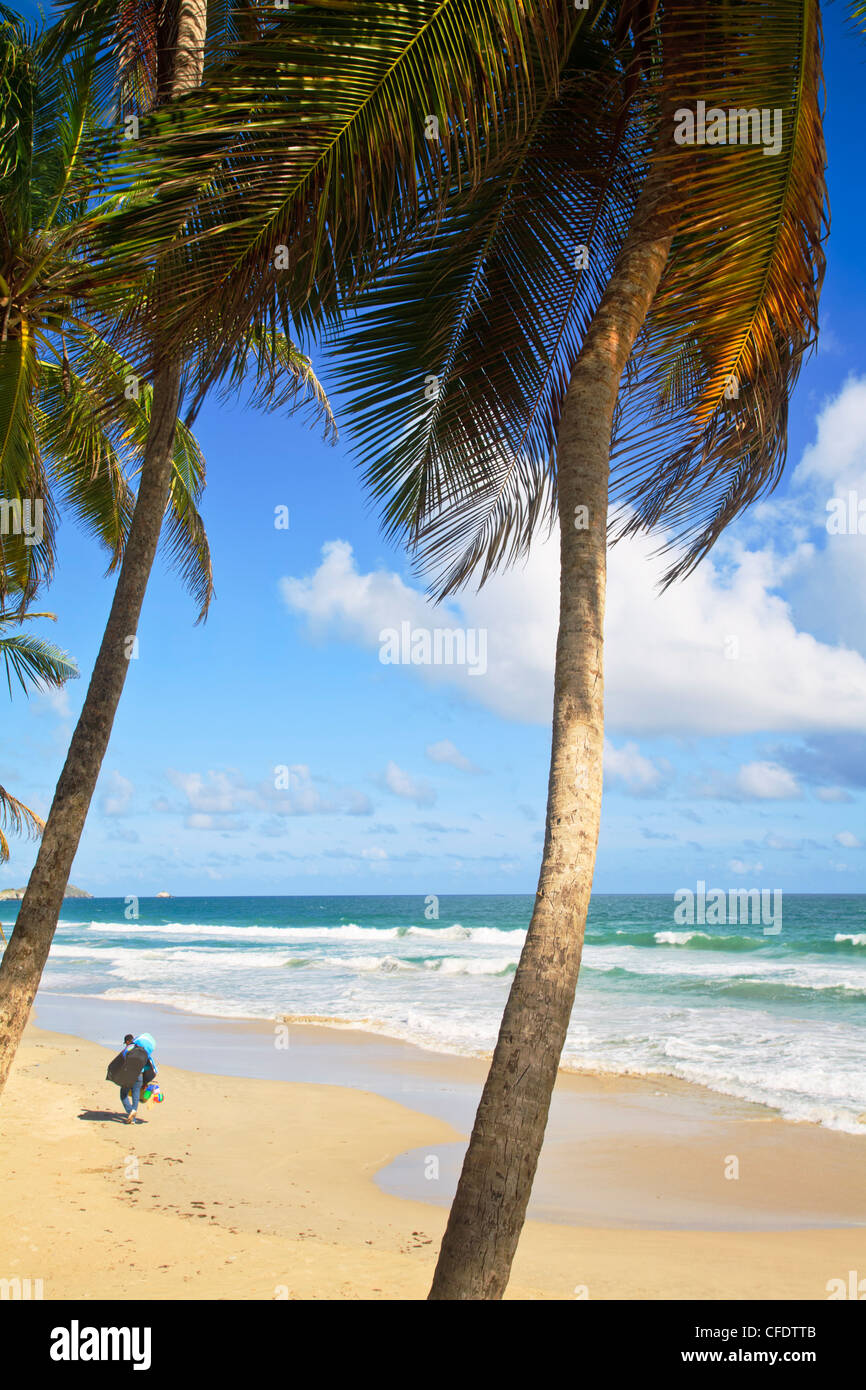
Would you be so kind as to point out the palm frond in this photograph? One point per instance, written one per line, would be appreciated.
(467, 478)
(18, 106)
(77, 435)
(739, 296)
(27, 518)
(185, 538)
(119, 405)
(34, 662)
(458, 358)
(277, 375)
(312, 137)
(18, 819)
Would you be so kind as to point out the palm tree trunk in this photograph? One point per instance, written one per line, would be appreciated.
(490, 1204)
(25, 956)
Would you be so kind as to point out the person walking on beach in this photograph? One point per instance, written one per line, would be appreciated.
(132, 1069)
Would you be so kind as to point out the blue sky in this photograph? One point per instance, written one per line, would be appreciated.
(736, 703)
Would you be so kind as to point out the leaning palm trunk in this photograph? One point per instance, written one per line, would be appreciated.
(27, 951)
(490, 1204)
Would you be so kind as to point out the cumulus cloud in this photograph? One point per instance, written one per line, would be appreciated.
(212, 793)
(848, 840)
(407, 787)
(338, 600)
(292, 792)
(719, 653)
(767, 782)
(772, 840)
(628, 767)
(739, 867)
(831, 481)
(445, 752)
(57, 700)
(838, 454)
(833, 794)
(117, 794)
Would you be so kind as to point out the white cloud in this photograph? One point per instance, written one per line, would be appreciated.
(767, 782)
(627, 765)
(838, 455)
(445, 752)
(830, 592)
(216, 793)
(737, 866)
(117, 794)
(781, 842)
(57, 699)
(292, 792)
(338, 600)
(718, 653)
(411, 789)
(847, 840)
(833, 794)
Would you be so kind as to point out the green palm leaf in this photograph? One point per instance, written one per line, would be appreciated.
(17, 818)
(26, 560)
(740, 292)
(493, 310)
(33, 661)
(496, 310)
(312, 137)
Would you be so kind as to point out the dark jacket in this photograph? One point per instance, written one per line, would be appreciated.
(125, 1069)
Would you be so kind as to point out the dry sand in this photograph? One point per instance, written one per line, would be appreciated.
(263, 1189)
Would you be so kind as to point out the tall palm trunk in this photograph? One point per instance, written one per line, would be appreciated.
(27, 951)
(489, 1207)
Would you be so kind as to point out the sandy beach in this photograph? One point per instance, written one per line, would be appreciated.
(336, 1187)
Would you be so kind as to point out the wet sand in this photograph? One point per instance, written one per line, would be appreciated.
(323, 1169)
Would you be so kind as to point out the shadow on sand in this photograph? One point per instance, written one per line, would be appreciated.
(109, 1115)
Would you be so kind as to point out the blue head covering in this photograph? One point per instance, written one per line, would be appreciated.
(146, 1041)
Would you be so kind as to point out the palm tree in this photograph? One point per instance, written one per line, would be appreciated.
(79, 411)
(71, 429)
(530, 354)
(39, 665)
(308, 150)
(608, 309)
(156, 56)
(288, 145)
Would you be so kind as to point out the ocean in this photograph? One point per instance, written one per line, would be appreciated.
(776, 1018)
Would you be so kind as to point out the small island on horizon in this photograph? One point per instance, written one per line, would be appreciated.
(16, 894)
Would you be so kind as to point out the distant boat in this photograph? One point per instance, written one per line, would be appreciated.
(163, 895)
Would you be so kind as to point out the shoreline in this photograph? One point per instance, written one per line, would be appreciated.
(775, 1023)
(261, 1189)
(679, 1132)
(338, 1025)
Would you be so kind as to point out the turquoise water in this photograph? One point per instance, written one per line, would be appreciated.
(774, 1018)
